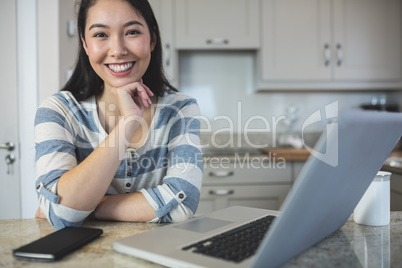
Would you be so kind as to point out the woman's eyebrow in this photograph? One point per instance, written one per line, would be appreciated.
(100, 25)
(133, 22)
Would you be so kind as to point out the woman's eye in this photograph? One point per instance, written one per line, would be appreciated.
(133, 32)
(100, 35)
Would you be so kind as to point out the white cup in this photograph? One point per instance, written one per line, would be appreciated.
(374, 207)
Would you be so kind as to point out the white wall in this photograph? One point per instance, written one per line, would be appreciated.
(48, 48)
(56, 50)
(28, 100)
(68, 44)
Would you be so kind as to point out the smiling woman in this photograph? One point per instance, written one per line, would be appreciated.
(117, 112)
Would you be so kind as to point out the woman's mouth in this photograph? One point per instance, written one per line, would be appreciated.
(120, 68)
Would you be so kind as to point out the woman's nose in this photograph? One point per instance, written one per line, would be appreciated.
(117, 47)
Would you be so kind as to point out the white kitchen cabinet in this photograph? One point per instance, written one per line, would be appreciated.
(217, 24)
(253, 183)
(367, 40)
(163, 11)
(297, 166)
(295, 37)
(331, 41)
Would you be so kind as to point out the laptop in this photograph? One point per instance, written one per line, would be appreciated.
(340, 168)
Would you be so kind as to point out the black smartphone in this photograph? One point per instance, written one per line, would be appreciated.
(58, 244)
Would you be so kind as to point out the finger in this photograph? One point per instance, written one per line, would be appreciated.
(149, 91)
(142, 92)
(145, 102)
(39, 214)
(140, 97)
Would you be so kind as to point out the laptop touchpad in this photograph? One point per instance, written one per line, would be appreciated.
(203, 225)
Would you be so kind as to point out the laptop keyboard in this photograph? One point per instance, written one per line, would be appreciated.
(234, 245)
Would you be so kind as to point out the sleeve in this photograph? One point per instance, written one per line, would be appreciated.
(178, 197)
(55, 155)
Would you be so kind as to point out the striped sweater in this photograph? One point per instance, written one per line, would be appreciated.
(167, 168)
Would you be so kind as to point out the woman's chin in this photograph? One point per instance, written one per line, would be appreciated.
(123, 82)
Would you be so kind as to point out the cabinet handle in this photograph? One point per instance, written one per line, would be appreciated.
(221, 174)
(327, 54)
(217, 41)
(221, 192)
(9, 146)
(339, 54)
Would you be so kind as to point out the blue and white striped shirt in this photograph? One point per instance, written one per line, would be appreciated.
(167, 168)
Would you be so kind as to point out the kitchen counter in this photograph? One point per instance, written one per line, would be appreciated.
(266, 154)
(263, 146)
(393, 163)
(352, 246)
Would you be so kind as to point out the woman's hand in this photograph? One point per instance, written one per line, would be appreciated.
(132, 99)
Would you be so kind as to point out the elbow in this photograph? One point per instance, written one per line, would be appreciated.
(183, 218)
(59, 222)
(181, 213)
(60, 216)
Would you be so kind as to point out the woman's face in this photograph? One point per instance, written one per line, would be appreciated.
(117, 42)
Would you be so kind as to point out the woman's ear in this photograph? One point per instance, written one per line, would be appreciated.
(84, 44)
(153, 41)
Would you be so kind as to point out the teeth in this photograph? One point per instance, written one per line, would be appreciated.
(120, 68)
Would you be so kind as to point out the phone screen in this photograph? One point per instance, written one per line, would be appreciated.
(58, 244)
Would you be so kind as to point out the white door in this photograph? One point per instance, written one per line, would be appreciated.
(296, 40)
(9, 173)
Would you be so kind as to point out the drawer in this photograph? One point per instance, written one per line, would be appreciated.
(258, 196)
(245, 173)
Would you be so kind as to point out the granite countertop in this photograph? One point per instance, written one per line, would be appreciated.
(98, 253)
(352, 246)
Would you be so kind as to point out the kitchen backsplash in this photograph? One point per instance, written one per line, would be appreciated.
(252, 140)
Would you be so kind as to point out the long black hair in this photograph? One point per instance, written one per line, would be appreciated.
(84, 81)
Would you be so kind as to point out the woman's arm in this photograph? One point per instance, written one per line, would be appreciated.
(83, 187)
(69, 192)
(177, 198)
(125, 207)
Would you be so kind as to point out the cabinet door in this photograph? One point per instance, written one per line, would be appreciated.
(215, 24)
(296, 40)
(367, 39)
(163, 11)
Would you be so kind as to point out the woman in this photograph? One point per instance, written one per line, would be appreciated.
(102, 145)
